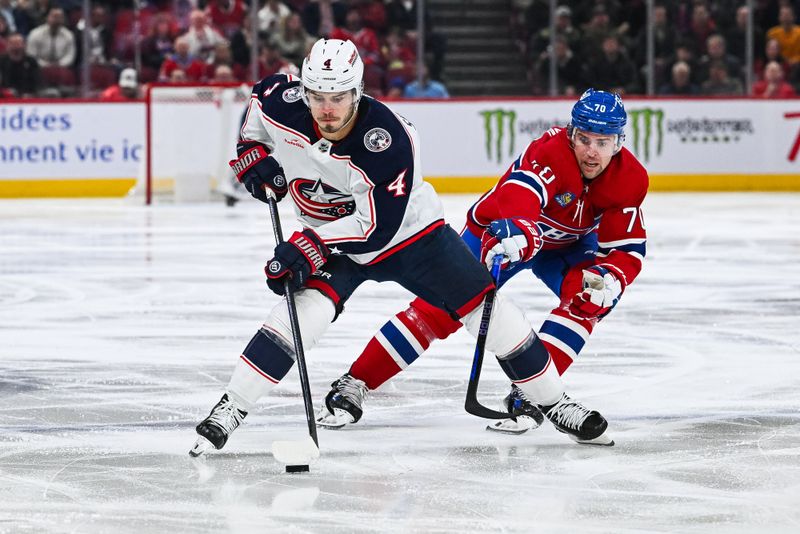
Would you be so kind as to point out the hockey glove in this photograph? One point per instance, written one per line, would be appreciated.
(517, 239)
(601, 292)
(296, 259)
(257, 170)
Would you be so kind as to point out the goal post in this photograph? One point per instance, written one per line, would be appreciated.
(191, 133)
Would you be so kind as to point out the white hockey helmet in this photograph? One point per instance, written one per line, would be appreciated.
(333, 66)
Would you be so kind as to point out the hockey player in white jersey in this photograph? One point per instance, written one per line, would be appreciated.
(352, 168)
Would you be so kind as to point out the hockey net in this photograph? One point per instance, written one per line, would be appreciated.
(191, 135)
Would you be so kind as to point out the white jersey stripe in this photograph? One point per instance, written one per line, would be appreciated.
(526, 186)
(401, 363)
(570, 324)
(563, 347)
(621, 242)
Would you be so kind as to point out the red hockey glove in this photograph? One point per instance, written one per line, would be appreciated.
(257, 170)
(518, 239)
(601, 292)
(298, 258)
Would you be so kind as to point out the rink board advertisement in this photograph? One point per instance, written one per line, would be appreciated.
(96, 149)
(685, 145)
(69, 149)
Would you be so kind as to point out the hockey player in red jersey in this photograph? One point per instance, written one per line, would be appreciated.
(569, 210)
(351, 167)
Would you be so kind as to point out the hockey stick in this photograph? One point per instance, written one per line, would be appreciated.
(471, 403)
(296, 455)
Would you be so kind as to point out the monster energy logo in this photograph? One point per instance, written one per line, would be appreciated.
(496, 123)
(642, 124)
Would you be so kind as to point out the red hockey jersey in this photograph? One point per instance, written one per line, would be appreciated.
(545, 184)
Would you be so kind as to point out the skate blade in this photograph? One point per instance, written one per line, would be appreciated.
(335, 421)
(603, 440)
(522, 424)
(201, 446)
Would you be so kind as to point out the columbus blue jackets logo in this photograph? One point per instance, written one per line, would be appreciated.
(564, 198)
(292, 94)
(377, 140)
(321, 201)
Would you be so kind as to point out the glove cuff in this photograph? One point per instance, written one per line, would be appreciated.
(618, 274)
(247, 160)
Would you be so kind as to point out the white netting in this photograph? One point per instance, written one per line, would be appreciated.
(192, 134)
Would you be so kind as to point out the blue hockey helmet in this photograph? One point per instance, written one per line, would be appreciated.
(599, 112)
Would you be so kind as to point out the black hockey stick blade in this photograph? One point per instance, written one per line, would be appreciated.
(471, 403)
(475, 408)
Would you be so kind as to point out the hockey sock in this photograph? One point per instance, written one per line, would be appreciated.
(264, 363)
(564, 335)
(401, 341)
(533, 371)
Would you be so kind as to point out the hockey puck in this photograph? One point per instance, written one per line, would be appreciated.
(297, 468)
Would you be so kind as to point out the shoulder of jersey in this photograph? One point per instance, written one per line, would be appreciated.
(552, 149)
(633, 172)
(279, 94)
(379, 133)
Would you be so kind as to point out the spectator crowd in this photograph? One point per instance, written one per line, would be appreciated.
(699, 46)
(194, 41)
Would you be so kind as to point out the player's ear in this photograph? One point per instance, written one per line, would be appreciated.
(619, 143)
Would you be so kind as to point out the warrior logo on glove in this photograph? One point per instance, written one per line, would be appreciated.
(258, 171)
(296, 260)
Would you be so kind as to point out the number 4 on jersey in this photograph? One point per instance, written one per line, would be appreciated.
(398, 186)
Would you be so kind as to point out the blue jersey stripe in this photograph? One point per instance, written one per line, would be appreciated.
(518, 176)
(638, 248)
(399, 342)
(564, 334)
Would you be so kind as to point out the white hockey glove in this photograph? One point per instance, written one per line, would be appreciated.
(517, 239)
(601, 292)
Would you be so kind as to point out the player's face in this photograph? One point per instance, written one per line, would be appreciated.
(331, 111)
(593, 151)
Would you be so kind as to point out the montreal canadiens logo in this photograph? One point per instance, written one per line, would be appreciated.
(321, 201)
(377, 140)
(292, 94)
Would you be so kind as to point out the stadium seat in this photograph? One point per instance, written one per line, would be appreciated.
(102, 76)
(60, 78)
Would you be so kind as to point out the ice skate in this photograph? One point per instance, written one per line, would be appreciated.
(525, 415)
(578, 422)
(343, 403)
(214, 430)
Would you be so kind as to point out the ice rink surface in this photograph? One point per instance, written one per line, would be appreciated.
(120, 325)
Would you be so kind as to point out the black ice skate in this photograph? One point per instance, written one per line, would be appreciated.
(214, 430)
(343, 403)
(578, 422)
(525, 415)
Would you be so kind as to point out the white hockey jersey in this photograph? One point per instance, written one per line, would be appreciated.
(363, 195)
